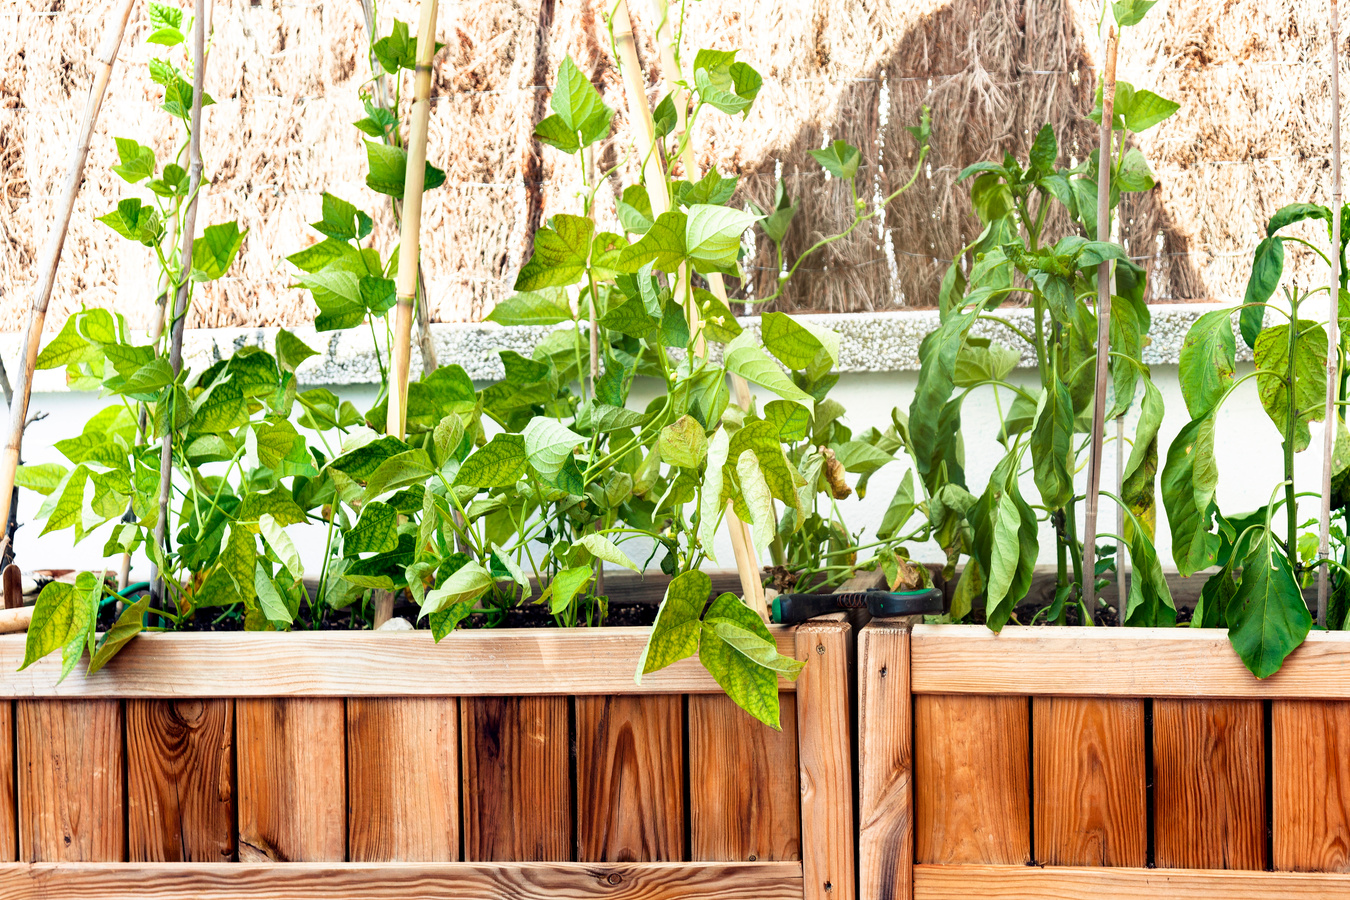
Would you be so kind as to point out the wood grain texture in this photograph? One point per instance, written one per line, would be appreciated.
(1209, 778)
(403, 779)
(630, 779)
(972, 799)
(825, 752)
(885, 762)
(1089, 782)
(517, 779)
(403, 881)
(180, 780)
(1310, 785)
(744, 788)
(292, 780)
(1181, 662)
(482, 662)
(9, 822)
(1054, 883)
(70, 781)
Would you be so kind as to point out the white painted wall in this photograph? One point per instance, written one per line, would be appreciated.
(1248, 446)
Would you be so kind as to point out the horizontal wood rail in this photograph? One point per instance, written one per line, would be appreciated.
(401, 881)
(1110, 662)
(504, 662)
(1081, 883)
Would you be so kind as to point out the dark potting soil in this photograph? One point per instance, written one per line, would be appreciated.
(1035, 614)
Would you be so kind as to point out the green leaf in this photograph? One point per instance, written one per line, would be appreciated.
(792, 421)
(1131, 12)
(280, 543)
(1137, 484)
(662, 246)
(465, 585)
(67, 348)
(531, 308)
(1267, 269)
(723, 83)
(138, 160)
(938, 354)
(560, 254)
(980, 363)
(797, 343)
(342, 220)
(1134, 174)
(675, 635)
(41, 477)
(664, 117)
(1267, 616)
(1044, 150)
(713, 233)
(65, 505)
(683, 443)
(900, 510)
(758, 500)
(1149, 604)
(396, 50)
(565, 587)
(635, 209)
(165, 16)
(712, 502)
(578, 104)
(1004, 559)
(1208, 360)
(1309, 375)
(222, 408)
(291, 351)
(410, 467)
(1189, 479)
(1148, 109)
(499, 463)
(274, 605)
(375, 532)
(552, 130)
(129, 624)
(277, 503)
(389, 167)
(135, 221)
(1052, 446)
(601, 547)
(53, 619)
(605, 418)
(738, 651)
(840, 159)
(1295, 212)
(745, 358)
(549, 445)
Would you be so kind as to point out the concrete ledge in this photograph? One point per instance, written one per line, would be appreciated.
(871, 342)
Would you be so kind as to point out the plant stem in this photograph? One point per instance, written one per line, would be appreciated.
(1331, 417)
(1291, 420)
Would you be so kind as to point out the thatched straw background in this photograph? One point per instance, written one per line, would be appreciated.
(1252, 135)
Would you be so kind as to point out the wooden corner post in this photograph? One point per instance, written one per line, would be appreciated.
(825, 737)
(885, 762)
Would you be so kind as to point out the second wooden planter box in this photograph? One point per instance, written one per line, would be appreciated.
(497, 764)
(1099, 763)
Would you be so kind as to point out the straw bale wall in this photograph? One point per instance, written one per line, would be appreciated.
(1252, 134)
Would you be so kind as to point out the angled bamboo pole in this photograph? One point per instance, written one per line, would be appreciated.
(1103, 332)
(178, 319)
(644, 133)
(51, 256)
(410, 239)
(1331, 416)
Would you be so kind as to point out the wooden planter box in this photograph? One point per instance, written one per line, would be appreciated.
(518, 765)
(1097, 762)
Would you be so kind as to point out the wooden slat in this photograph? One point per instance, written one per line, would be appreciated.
(1181, 662)
(885, 762)
(292, 780)
(403, 779)
(488, 662)
(517, 779)
(630, 779)
(1022, 882)
(744, 792)
(9, 835)
(1209, 779)
(70, 781)
(1310, 785)
(1089, 782)
(826, 760)
(971, 780)
(404, 881)
(180, 780)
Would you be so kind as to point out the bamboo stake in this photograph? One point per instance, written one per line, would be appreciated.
(1333, 321)
(595, 314)
(1103, 331)
(178, 320)
(51, 256)
(410, 240)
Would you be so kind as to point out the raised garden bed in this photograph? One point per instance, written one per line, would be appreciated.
(1095, 762)
(497, 764)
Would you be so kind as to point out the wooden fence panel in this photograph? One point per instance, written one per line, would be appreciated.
(180, 780)
(517, 779)
(1310, 785)
(885, 763)
(744, 793)
(292, 780)
(1209, 784)
(403, 779)
(1089, 782)
(971, 777)
(9, 821)
(630, 779)
(70, 781)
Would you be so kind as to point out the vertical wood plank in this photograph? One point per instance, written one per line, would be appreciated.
(9, 835)
(292, 780)
(972, 780)
(1090, 784)
(70, 781)
(1209, 784)
(744, 790)
(180, 780)
(825, 755)
(517, 779)
(403, 779)
(630, 779)
(1310, 782)
(885, 762)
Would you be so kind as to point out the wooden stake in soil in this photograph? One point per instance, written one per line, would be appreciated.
(1103, 332)
(51, 254)
(1331, 415)
(410, 240)
(178, 320)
